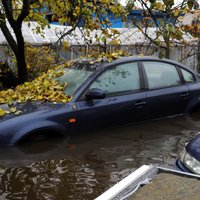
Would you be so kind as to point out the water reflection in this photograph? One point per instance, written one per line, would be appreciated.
(86, 164)
(51, 179)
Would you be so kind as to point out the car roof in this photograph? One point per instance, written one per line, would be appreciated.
(94, 65)
(136, 58)
(143, 58)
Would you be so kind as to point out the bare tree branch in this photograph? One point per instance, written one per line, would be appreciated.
(189, 55)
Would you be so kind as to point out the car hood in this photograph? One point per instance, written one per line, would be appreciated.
(193, 148)
(29, 107)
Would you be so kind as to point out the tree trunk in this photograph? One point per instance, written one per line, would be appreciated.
(16, 24)
(167, 53)
(198, 57)
(20, 57)
(22, 70)
(17, 47)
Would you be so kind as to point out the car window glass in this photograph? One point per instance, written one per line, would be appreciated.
(122, 78)
(188, 77)
(74, 78)
(161, 75)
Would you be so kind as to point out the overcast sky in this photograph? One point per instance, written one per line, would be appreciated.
(123, 2)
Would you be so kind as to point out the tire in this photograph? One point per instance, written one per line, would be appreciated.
(39, 136)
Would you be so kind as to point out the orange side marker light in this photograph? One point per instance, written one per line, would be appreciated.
(72, 120)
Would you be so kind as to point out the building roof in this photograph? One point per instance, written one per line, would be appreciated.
(128, 36)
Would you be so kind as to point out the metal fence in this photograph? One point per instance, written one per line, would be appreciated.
(187, 54)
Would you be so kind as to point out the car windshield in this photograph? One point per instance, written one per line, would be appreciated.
(74, 77)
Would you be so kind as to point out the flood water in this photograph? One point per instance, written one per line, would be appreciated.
(84, 165)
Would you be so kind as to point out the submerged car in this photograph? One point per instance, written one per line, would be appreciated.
(190, 158)
(129, 89)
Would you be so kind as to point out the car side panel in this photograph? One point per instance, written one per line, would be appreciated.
(113, 110)
(194, 89)
(13, 130)
(167, 101)
(38, 127)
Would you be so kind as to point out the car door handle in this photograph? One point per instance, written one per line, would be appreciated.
(184, 94)
(140, 103)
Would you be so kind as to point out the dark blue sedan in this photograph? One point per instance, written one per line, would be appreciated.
(130, 89)
(190, 159)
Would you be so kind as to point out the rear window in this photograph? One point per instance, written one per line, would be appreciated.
(187, 76)
(160, 75)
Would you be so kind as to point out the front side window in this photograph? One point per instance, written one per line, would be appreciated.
(160, 75)
(188, 77)
(120, 79)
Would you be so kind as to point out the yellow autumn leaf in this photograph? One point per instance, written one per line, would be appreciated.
(115, 32)
(13, 109)
(160, 6)
(59, 73)
(2, 112)
(176, 12)
(40, 97)
(1, 100)
(66, 45)
(18, 112)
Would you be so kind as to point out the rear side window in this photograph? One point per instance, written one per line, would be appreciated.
(161, 75)
(187, 76)
(119, 79)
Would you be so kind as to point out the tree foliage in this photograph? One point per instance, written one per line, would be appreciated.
(168, 29)
(194, 27)
(90, 14)
(37, 64)
(194, 30)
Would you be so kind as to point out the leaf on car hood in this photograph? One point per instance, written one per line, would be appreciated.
(43, 88)
(2, 112)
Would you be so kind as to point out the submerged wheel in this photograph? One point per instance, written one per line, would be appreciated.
(39, 137)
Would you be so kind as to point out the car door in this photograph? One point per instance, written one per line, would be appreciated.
(166, 95)
(125, 99)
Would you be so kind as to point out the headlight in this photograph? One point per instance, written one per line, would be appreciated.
(190, 162)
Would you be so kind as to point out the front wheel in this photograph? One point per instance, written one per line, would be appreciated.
(39, 136)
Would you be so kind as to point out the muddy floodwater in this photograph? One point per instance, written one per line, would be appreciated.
(84, 165)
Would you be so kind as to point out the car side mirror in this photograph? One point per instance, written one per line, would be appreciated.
(95, 93)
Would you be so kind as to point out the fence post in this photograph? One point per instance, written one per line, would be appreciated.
(72, 53)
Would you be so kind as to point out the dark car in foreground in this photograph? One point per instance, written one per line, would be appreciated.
(190, 158)
(130, 89)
